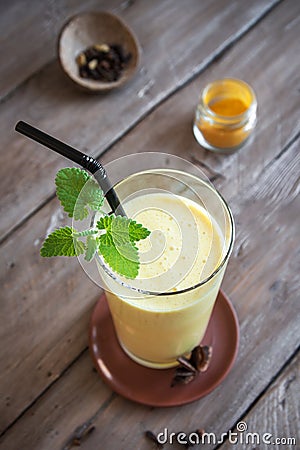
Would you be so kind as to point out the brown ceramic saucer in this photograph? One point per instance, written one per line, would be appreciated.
(153, 386)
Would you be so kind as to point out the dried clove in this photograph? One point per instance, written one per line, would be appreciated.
(79, 435)
(189, 368)
(103, 62)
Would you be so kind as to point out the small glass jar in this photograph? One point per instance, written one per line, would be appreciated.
(225, 116)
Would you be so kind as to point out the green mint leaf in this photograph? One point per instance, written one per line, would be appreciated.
(105, 223)
(119, 230)
(137, 231)
(62, 242)
(69, 183)
(76, 190)
(107, 239)
(91, 248)
(91, 195)
(123, 259)
(117, 244)
(123, 230)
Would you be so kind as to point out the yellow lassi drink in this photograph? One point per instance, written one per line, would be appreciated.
(164, 312)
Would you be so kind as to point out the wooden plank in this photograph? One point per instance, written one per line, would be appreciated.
(176, 41)
(79, 391)
(278, 107)
(276, 415)
(33, 320)
(29, 31)
(47, 306)
(266, 293)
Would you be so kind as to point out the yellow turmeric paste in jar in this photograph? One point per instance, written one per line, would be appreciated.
(228, 107)
(225, 115)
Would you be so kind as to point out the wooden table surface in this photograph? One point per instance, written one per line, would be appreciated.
(49, 389)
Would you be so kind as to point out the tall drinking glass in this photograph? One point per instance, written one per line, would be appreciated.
(164, 312)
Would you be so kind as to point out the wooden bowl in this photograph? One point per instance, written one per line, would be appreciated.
(90, 28)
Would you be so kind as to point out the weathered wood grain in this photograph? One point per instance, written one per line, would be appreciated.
(267, 70)
(47, 287)
(79, 391)
(266, 298)
(176, 42)
(266, 301)
(277, 414)
(29, 31)
(46, 304)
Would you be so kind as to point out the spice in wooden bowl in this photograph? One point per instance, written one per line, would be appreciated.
(104, 62)
(83, 35)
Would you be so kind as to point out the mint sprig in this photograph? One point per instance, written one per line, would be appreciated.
(114, 237)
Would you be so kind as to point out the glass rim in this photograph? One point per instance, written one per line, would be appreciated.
(219, 267)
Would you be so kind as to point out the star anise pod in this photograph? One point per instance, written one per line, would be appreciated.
(200, 357)
(190, 367)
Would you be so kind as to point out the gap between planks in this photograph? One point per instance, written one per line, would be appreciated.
(213, 58)
(212, 179)
(44, 391)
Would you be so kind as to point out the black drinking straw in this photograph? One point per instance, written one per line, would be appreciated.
(85, 161)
